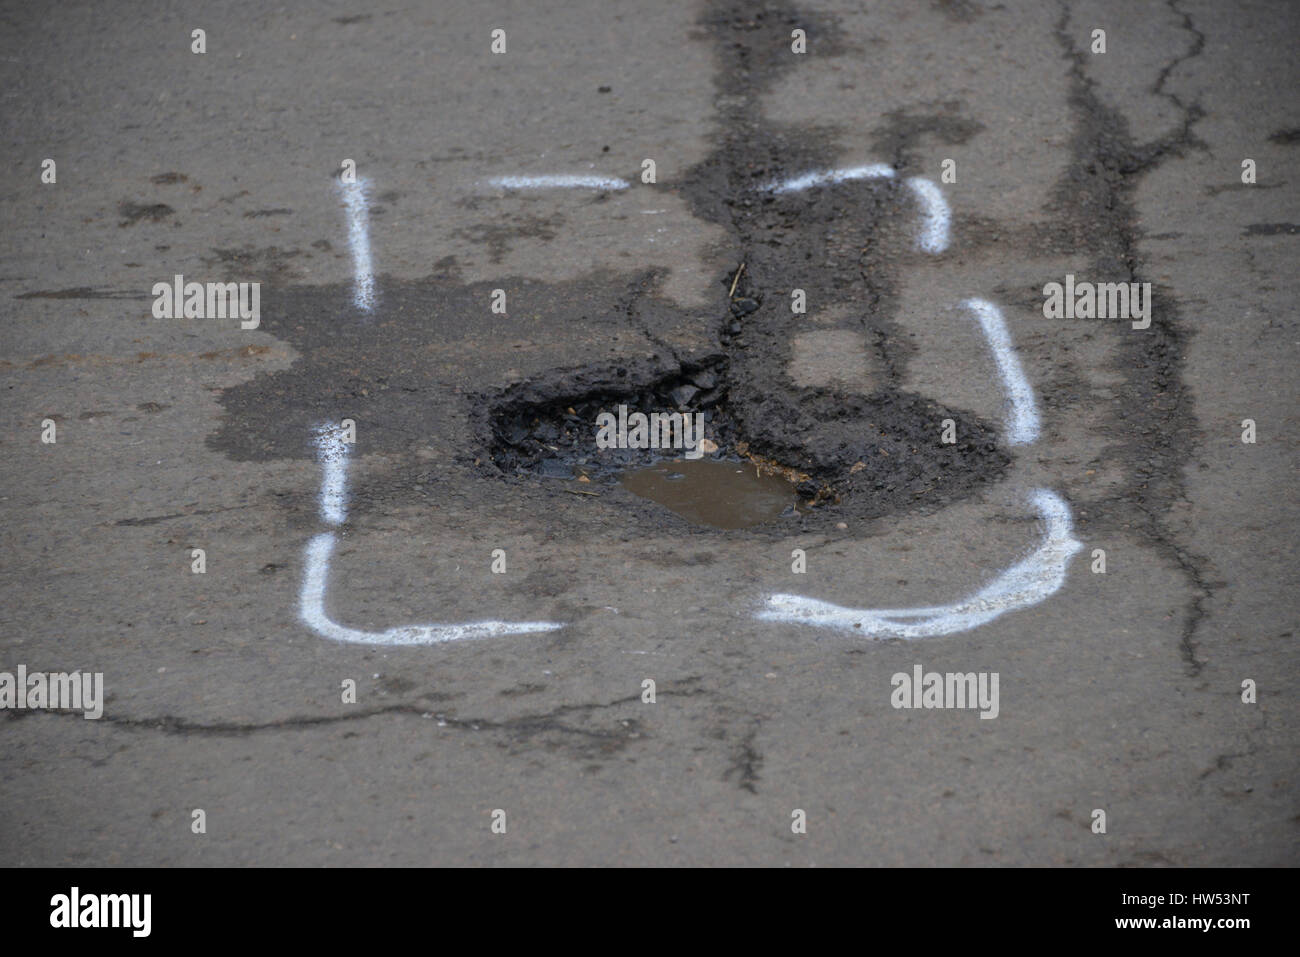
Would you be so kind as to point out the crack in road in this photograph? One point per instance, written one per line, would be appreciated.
(529, 724)
(524, 726)
(1097, 196)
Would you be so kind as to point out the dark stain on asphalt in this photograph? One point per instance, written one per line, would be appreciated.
(959, 11)
(133, 213)
(247, 263)
(152, 520)
(498, 237)
(904, 130)
(1271, 229)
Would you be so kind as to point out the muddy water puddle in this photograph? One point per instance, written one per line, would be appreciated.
(708, 492)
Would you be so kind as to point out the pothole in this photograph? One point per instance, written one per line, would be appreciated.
(767, 453)
(712, 480)
(556, 438)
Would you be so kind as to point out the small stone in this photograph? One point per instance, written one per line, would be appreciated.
(743, 306)
(707, 446)
(841, 526)
(683, 394)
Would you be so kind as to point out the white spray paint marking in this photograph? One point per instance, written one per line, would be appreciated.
(312, 609)
(934, 208)
(1022, 423)
(332, 452)
(1025, 583)
(356, 199)
(559, 181)
(934, 214)
(808, 180)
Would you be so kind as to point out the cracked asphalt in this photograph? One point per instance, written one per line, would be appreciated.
(1121, 691)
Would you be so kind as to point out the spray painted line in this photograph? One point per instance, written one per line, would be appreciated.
(1022, 423)
(559, 181)
(357, 200)
(935, 216)
(821, 178)
(332, 453)
(1028, 582)
(311, 608)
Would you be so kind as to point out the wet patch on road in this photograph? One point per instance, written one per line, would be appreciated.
(724, 495)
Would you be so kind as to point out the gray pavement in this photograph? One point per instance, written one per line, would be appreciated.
(1119, 691)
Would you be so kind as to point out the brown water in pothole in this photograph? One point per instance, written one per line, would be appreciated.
(721, 494)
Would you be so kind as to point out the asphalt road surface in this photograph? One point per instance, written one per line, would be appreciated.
(432, 644)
